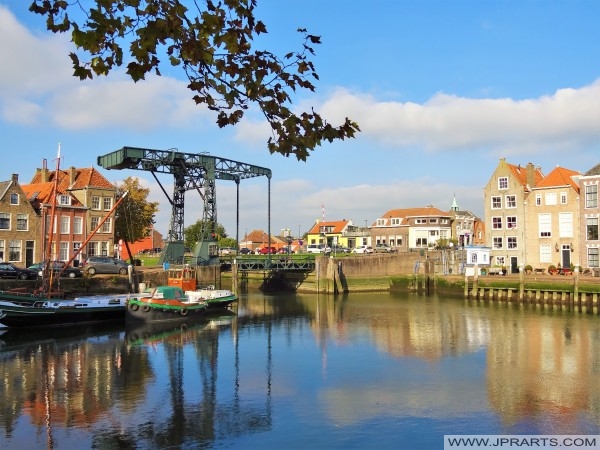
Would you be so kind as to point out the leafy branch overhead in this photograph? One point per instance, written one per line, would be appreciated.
(212, 42)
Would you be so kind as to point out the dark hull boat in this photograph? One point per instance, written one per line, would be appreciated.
(25, 311)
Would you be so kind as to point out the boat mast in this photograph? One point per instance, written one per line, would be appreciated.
(47, 268)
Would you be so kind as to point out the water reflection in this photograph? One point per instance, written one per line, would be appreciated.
(332, 365)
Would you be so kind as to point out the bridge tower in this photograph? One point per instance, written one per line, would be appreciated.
(190, 171)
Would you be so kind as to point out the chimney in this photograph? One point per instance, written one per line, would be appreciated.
(43, 174)
(530, 175)
(72, 173)
(15, 177)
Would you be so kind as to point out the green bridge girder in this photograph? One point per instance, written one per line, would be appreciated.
(197, 171)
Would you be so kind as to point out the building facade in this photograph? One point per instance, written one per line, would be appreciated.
(590, 216)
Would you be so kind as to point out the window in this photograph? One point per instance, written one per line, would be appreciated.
(593, 257)
(63, 251)
(511, 243)
(545, 224)
(496, 202)
(497, 243)
(106, 226)
(546, 253)
(592, 228)
(22, 222)
(95, 222)
(511, 201)
(4, 221)
(421, 221)
(565, 224)
(1, 250)
(563, 198)
(500, 260)
(77, 225)
(64, 200)
(395, 221)
(421, 242)
(503, 183)
(14, 199)
(511, 222)
(473, 258)
(14, 251)
(496, 223)
(108, 203)
(591, 196)
(95, 202)
(538, 199)
(551, 198)
(433, 221)
(65, 225)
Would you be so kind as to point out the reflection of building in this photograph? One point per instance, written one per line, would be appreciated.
(537, 366)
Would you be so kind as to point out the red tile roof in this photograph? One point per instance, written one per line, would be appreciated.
(559, 177)
(520, 174)
(42, 192)
(336, 226)
(84, 178)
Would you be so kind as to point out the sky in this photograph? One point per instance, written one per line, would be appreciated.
(442, 90)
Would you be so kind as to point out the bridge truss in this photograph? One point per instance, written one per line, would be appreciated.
(191, 171)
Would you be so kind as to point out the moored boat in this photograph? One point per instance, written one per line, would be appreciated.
(172, 303)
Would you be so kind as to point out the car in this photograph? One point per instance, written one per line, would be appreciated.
(285, 250)
(340, 249)
(105, 265)
(315, 248)
(58, 267)
(383, 248)
(8, 270)
(223, 251)
(362, 249)
(245, 251)
(266, 250)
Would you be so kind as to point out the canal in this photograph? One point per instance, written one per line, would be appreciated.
(365, 371)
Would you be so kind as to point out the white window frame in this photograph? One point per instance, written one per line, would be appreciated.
(510, 202)
(496, 199)
(502, 183)
(65, 225)
(77, 225)
(545, 225)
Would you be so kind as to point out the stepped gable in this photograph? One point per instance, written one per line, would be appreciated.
(594, 171)
(559, 177)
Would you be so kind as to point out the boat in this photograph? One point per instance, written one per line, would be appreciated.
(26, 312)
(172, 303)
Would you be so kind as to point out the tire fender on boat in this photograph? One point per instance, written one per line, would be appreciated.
(183, 312)
(146, 308)
(134, 306)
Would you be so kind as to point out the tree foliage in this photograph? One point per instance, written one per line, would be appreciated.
(197, 232)
(212, 42)
(134, 217)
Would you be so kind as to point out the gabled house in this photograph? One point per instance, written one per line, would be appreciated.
(340, 232)
(466, 226)
(412, 228)
(19, 225)
(553, 220)
(589, 243)
(505, 201)
(85, 199)
(258, 239)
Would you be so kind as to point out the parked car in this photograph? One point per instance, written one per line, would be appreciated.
(8, 270)
(223, 251)
(362, 249)
(315, 248)
(383, 248)
(245, 251)
(267, 250)
(57, 268)
(340, 249)
(104, 264)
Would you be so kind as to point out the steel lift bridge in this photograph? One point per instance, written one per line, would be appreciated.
(197, 171)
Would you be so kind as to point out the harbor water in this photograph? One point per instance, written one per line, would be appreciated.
(364, 371)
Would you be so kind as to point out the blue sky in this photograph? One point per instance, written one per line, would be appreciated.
(442, 90)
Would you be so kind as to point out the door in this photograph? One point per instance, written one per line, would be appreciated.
(514, 267)
(29, 253)
(566, 256)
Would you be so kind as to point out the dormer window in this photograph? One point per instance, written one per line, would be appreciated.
(64, 200)
(14, 199)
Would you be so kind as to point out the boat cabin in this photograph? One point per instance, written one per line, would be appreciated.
(169, 293)
(184, 277)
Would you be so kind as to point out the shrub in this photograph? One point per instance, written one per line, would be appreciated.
(528, 268)
(551, 268)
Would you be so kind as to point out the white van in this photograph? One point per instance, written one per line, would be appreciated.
(315, 248)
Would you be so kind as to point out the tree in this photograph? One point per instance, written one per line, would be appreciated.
(197, 232)
(134, 217)
(212, 44)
